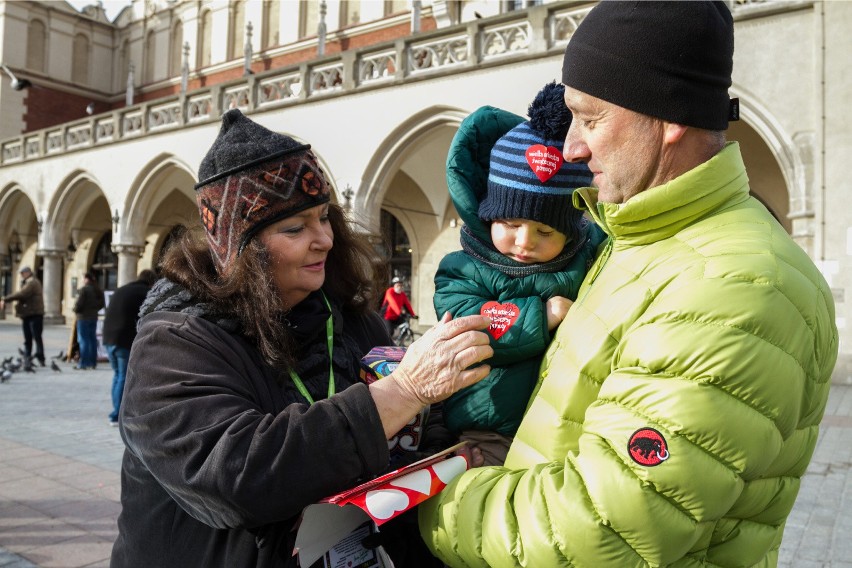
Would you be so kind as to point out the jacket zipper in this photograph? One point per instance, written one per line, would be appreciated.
(597, 268)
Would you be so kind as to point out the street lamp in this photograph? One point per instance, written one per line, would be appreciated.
(17, 84)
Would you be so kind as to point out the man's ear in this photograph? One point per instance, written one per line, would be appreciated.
(673, 132)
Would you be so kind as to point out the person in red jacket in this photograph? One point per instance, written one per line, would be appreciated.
(394, 304)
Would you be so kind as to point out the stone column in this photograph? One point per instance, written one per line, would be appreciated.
(128, 262)
(53, 267)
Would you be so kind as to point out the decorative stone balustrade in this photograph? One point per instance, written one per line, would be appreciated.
(516, 35)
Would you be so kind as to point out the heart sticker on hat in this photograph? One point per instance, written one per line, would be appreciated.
(545, 161)
(503, 316)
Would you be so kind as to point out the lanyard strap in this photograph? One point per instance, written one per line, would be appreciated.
(329, 337)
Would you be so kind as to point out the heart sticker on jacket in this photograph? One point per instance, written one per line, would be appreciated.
(503, 316)
(545, 161)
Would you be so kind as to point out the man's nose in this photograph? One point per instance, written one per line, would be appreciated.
(575, 149)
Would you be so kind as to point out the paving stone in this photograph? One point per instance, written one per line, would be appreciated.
(60, 465)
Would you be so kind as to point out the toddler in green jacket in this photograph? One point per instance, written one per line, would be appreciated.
(526, 250)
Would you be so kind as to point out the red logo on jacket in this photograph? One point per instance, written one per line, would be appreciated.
(648, 447)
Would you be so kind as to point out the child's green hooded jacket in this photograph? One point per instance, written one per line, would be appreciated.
(466, 280)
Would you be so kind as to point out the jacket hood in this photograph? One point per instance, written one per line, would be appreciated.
(468, 161)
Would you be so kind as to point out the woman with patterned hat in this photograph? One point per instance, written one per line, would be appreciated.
(242, 402)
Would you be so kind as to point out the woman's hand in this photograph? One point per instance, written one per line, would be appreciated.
(434, 367)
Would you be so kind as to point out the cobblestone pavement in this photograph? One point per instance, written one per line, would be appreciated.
(60, 467)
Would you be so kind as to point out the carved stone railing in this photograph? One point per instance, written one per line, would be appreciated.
(514, 36)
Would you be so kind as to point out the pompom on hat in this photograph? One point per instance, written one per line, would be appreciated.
(250, 178)
(528, 177)
(669, 60)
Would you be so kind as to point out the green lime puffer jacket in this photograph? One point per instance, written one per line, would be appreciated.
(678, 405)
(464, 284)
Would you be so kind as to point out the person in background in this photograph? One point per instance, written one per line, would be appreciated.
(119, 330)
(678, 405)
(29, 306)
(394, 304)
(90, 300)
(243, 402)
(525, 252)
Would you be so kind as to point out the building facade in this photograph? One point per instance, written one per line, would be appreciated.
(105, 122)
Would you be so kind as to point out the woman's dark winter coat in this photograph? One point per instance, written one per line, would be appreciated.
(220, 461)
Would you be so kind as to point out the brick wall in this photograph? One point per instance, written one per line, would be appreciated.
(48, 107)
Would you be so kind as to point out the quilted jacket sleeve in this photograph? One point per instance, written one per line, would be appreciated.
(738, 400)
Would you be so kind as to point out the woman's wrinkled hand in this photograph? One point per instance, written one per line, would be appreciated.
(439, 363)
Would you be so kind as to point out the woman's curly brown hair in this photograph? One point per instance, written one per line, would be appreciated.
(248, 292)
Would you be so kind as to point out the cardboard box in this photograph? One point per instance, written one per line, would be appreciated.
(328, 523)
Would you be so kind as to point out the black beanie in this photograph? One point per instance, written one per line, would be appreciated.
(669, 60)
(527, 175)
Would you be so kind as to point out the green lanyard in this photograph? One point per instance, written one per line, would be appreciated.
(329, 335)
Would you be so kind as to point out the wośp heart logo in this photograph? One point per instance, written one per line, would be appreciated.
(545, 161)
(503, 316)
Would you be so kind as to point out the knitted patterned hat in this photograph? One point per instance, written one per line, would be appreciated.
(527, 176)
(670, 60)
(251, 178)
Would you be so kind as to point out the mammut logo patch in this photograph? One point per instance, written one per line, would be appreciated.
(648, 447)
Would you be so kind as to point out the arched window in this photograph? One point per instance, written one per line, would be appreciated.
(271, 16)
(308, 18)
(238, 29)
(350, 12)
(176, 50)
(36, 46)
(150, 56)
(105, 266)
(395, 6)
(205, 38)
(80, 60)
(123, 63)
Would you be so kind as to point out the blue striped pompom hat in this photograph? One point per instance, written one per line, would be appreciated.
(527, 177)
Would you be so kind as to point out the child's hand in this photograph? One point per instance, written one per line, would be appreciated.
(473, 455)
(556, 309)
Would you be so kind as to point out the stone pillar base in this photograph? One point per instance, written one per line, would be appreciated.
(54, 320)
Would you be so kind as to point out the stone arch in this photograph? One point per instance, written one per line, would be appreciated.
(70, 204)
(394, 150)
(406, 177)
(155, 183)
(779, 166)
(18, 217)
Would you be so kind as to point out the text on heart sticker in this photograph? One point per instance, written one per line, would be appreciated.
(545, 161)
(503, 316)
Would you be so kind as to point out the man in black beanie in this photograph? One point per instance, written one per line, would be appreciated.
(679, 402)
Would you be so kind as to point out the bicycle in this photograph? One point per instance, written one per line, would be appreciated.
(403, 335)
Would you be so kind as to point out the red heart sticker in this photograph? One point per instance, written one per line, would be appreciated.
(545, 161)
(503, 316)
